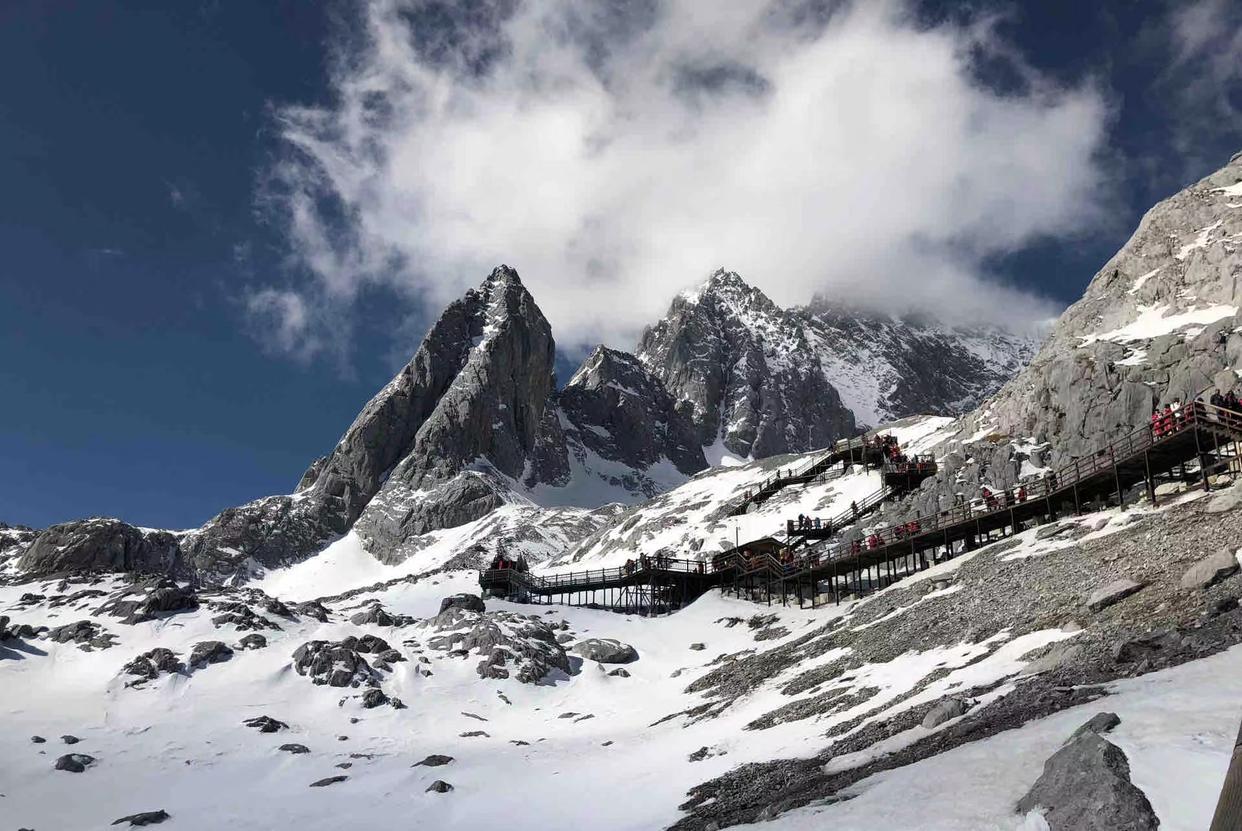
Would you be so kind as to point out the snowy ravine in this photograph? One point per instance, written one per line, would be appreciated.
(840, 688)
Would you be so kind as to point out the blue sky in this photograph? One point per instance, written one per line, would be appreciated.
(147, 183)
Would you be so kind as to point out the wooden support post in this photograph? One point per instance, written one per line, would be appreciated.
(1199, 453)
(1151, 483)
(1228, 816)
(1112, 452)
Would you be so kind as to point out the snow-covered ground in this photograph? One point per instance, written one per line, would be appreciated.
(690, 521)
(179, 744)
(1177, 729)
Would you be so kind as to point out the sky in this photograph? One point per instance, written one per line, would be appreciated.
(225, 224)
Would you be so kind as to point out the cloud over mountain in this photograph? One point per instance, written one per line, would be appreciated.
(619, 152)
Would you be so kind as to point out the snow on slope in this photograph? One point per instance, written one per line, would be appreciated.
(691, 521)
(1176, 729)
(178, 744)
(518, 530)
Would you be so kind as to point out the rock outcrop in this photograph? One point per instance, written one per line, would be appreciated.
(101, 545)
(615, 421)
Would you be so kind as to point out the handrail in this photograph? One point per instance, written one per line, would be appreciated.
(846, 517)
(1191, 415)
(836, 450)
(652, 566)
(1067, 476)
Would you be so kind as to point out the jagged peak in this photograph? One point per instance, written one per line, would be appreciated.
(600, 361)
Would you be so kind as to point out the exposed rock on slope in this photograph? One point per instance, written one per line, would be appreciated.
(1158, 322)
(887, 368)
(101, 545)
(473, 393)
(743, 371)
(614, 421)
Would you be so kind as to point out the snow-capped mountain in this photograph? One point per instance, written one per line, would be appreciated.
(757, 380)
(888, 367)
(743, 371)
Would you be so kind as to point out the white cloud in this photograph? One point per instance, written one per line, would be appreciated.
(617, 154)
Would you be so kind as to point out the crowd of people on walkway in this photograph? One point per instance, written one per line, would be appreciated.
(1226, 401)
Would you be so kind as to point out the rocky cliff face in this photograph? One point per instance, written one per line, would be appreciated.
(613, 427)
(887, 367)
(1159, 322)
(743, 371)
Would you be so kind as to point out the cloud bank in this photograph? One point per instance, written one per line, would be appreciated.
(616, 153)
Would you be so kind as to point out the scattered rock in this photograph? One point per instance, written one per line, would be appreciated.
(1137, 649)
(85, 633)
(252, 641)
(1100, 723)
(158, 598)
(606, 651)
(312, 609)
(330, 780)
(38, 739)
(266, 724)
(439, 786)
(74, 762)
(209, 652)
(1114, 592)
(150, 664)
(620, 672)
(942, 711)
(70, 739)
(1210, 570)
(435, 760)
(144, 818)
(698, 647)
(470, 734)
(295, 749)
(335, 664)
(378, 615)
(374, 697)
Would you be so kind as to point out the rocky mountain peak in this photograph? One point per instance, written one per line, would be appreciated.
(741, 369)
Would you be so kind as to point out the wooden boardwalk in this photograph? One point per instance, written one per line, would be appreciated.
(1205, 437)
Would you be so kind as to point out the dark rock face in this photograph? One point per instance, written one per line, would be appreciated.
(744, 371)
(476, 388)
(295, 749)
(101, 545)
(439, 786)
(144, 818)
(253, 641)
(74, 762)
(912, 365)
(615, 409)
(85, 633)
(375, 613)
(1086, 786)
(484, 374)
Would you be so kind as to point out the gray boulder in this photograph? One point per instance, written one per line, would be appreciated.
(330, 780)
(252, 641)
(1085, 786)
(1100, 723)
(74, 762)
(942, 711)
(439, 786)
(1114, 592)
(467, 602)
(605, 651)
(1210, 570)
(266, 724)
(209, 652)
(295, 749)
(150, 664)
